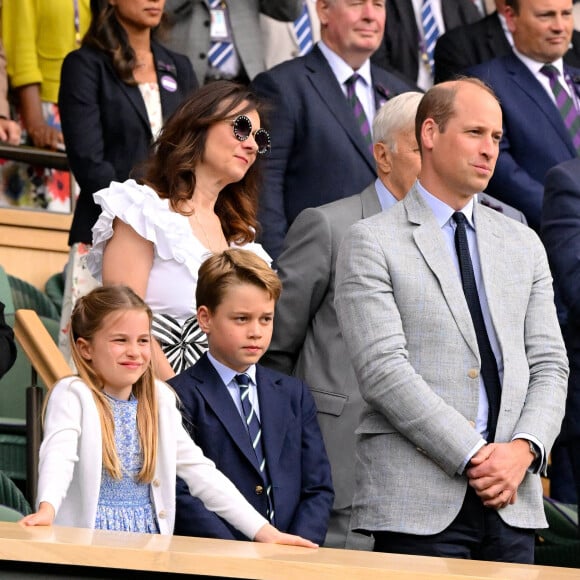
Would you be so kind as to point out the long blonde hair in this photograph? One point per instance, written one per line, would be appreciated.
(87, 318)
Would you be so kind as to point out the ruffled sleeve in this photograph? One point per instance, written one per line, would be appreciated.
(257, 249)
(140, 207)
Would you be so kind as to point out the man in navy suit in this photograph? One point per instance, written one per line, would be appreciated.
(258, 425)
(319, 153)
(535, 136)
(561, 235)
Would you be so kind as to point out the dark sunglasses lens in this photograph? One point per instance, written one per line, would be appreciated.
(262, 138)
(242, 127)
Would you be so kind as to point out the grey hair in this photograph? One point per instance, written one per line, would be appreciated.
(396, 115)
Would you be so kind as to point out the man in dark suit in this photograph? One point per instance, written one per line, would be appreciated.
(535, 136)
(560, 230)
(402, 44)
(480, 41)
(319, 153)
(236, 294)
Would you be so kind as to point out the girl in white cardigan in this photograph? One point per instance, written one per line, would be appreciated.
(113, 438)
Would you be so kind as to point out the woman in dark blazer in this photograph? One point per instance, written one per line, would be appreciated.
(115, 93)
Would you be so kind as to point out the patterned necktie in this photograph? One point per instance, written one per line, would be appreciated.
(303, 30)
(488, 363)
(430, 34)
(565, 104)
(255, 431)
(220, 52)
(357, 109)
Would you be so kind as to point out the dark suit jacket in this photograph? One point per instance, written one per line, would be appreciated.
(7, 346)
(479, 42)
(400, 46)
(105, 124)
(535, 137)
(297, 462)
(560, 231)
(318, 153)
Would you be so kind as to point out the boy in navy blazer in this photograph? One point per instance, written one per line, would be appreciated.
(258, 425)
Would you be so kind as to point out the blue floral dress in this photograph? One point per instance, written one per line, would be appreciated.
(125, 505)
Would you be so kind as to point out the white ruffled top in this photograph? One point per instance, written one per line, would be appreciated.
(178, 253)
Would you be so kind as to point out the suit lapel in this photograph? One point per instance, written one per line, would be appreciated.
(370, 201)
(433, 246)
(325, 84)
(166, 80)
(212, 389)
(521, 76)
(274, 417)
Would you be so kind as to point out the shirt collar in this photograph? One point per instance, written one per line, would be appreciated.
(442, 211)
(534, 66)
(386, 198)
(227, 374)
(342, 70)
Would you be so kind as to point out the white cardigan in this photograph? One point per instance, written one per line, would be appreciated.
(71, 464)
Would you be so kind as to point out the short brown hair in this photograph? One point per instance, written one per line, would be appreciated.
(232, 267)
(180, 147)
(438, 103)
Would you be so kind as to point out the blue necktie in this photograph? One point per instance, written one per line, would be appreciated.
(488, 363)
(303, 30)
(255, 431)
(220, 52)
(430, 34)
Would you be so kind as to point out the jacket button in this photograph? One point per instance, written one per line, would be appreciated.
(162, 514)
(472, 373)
(472, 424)
(259, 490)
(202, 55)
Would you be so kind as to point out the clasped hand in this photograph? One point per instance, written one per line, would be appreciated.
(496, 471)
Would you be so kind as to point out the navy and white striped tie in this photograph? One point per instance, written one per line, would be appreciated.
(220, 52)
(255, 431)
(303, 30)
(430, 34)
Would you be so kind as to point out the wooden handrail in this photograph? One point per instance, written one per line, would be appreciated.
(40, 348)
(39, 549)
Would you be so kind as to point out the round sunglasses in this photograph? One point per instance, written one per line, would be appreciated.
(243, 129)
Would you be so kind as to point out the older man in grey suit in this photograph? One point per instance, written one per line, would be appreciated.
(447, 310)
(306, 340)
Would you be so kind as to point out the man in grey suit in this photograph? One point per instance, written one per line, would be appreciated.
(441, 368)
(306, 340)
(194, 24)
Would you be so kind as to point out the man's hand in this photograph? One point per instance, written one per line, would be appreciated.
(497, 470)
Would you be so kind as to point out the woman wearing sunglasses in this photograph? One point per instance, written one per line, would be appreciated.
(199, 195)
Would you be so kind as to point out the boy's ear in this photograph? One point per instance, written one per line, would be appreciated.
(84, 348)
(204, 318)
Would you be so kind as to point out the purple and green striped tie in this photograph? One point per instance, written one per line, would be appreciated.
(357, 109)
(565, 104)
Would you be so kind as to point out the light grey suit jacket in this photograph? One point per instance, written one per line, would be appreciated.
(407, 327)
(189, 31)
(279, 38)
(307, 341)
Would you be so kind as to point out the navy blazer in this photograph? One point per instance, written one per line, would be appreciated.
(105, 125)
(318, 152)
(297, 463)
(560, 232)
(478, 42)
(535, 137)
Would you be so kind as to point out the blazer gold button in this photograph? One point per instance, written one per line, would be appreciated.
(259, 490)
(473, 373)
(155, 483)
(472, 423)
(162, 514)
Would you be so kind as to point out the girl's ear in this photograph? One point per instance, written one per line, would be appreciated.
(84, 348)
(204, 318)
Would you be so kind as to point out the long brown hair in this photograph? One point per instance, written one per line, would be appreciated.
(170, 170)
(87, 318)
(106, 34)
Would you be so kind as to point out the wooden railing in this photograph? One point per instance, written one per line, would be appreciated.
(47, 363)
(58, 552)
